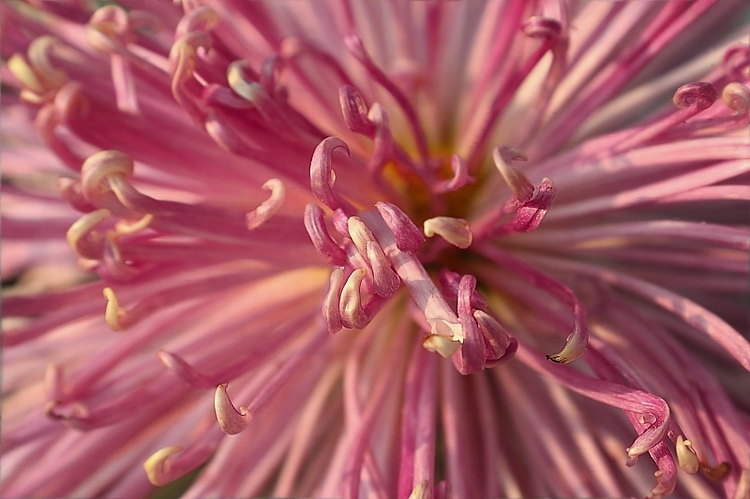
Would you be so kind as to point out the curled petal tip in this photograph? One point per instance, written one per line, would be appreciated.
(114, 315)
(125, 228)
(322, 176)
(686, 457)
(85, 241)
(498, 344)
(700, 94)
(443, 346)
(460, 177)
(21, 70)
(240, 80)
(359, 233)
(331, 301)
(737, 97)
(231, 421)
(521, 186)
(454, 230)
(574, 347)
(651, 436)
(158, 465)
(315, 225)
(350, 304)
(408, 236)
(355, 111)
(385, 278)
(102, 164)
(39, 52)
(269, 207)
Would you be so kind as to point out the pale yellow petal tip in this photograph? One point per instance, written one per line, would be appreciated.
(686, 457)
(421, 491)
(231, 420)
(25, 75)
(100, 166)
(269, 207)
(83, 227)
(114, 311)
(454, 230)
(126, 228)
(446, 329)
(250, 91)
(575, 346)
(445, 347)
(157, 466)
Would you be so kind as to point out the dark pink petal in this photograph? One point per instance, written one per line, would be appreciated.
(408, 237)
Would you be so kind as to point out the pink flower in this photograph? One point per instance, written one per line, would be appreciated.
(401, 249)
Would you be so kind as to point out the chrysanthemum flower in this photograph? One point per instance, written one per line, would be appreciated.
(392, 249)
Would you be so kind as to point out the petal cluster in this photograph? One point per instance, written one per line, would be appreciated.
(343, 248)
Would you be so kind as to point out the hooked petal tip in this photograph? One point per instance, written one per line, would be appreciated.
(350, 304)
(331, 301)
(269, 207)
(355, 111)
(651, 436)
(81, 236)
(574, 347)
(158, 465)
(737, 97)
(114, 315)
(322, 176)
(231, 421)
(686, 456)
(521, 186)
